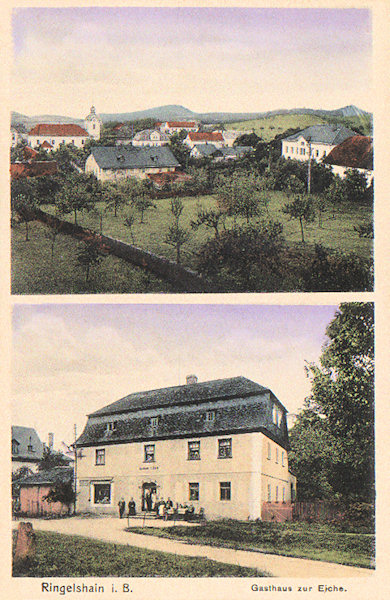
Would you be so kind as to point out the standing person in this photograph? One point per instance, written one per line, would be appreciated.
(131, 507)
(121, 506)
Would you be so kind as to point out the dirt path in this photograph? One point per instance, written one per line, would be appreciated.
(112, 530)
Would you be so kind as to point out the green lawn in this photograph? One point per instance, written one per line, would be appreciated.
(73, 556)
(268, 127)
(34, 271)
(313, 541)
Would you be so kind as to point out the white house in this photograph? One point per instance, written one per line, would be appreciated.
(204, 137)
(171, 127)
(56, 134)
(220, 446)
(150, 137)
(314, 142)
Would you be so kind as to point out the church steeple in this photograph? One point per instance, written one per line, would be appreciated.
(93, 124)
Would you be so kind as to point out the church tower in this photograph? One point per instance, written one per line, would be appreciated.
(93, 124)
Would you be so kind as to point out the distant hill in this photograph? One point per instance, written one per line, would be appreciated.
(174, 112)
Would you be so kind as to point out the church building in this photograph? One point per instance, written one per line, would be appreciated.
(221, 446)
(52, 135)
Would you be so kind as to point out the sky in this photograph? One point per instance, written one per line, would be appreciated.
(72, 359)
(207, 59)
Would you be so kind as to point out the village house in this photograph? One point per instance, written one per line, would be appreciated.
(204, 137)
(171, 127)
(34, 489)
(52, 135)
(354, 153)
(219, 154)
(111, 163)
(150, 137)
(314, 142)
(220, 446)
(27, 448)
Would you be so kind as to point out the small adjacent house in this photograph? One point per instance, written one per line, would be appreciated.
(150, 137)
(171, 127)
(354, 153)
(314, 142)
(204, 137)
(27, 448)
(34, 489)
(220, 446)
(203, 151)
(111, 163)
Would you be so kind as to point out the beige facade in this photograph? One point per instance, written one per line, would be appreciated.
(233, 486)
(302, 150)
(91, 166)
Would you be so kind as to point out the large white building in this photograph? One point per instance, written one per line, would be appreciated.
(314, 142)
(220, 445)
(53, 135)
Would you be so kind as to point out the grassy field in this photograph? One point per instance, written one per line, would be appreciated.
(268, 127)
(313, 541)
(34, 271)
(72, 556)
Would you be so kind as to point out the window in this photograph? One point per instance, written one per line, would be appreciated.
(284, 494)
(269, 451)
(30, 447)
(210, 415)
(100, 457)
(276, 454)
(317, 153)
(15, 447)
(111, 426)
(277, 494)
(276, 415)
(225, 490)
(225, 448)
(193, 491)
(154, 422)
(102, 493)
(282, 459)
(194, 450)
(149, 450)
(269, 493)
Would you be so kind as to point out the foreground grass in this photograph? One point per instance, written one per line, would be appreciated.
(301, 540)
(73, 556)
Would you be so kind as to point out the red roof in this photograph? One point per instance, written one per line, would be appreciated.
(171, 177)
(33, 169)
(181, 124)
(46, 145)
(29, 152)
(356, 153)
(205, 136)
(58, 129)
(118, 127)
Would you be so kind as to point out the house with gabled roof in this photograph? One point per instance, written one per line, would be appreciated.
(34, 490)
(171, 127)
(112, 163)
(27, 449)
(150, 137)
(204, 137)
(220, 445)
(356, 152)
(314, 142)
(52, 135)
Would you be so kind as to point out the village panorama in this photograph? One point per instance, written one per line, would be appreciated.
(176, 201)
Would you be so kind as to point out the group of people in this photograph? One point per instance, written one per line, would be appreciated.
(130, 507)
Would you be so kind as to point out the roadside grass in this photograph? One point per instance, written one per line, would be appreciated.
(35, 272)
(60, 555)
(268, 127)
(301, 540)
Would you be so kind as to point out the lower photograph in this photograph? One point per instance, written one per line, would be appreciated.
(193, 440)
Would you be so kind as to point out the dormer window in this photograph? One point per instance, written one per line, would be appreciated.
(111, 426)
(276, 415)
(30, 447)
(210, 415)
(154, 422)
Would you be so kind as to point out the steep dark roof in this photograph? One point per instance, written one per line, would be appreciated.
(205, 149)
(25, 437)
(323, 134)
(131, 157)
(50, 476)
(355, 152)
(205, 391)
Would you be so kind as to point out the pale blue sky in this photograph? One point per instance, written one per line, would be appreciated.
(207, 59)
(70, 360)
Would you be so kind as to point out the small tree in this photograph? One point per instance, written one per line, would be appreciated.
(355, 185)
(62, 492)
(176, 236)
(210, 218)
(302, 209)
(129, 221)
(89, 257)
(52, 459)
(143, 203)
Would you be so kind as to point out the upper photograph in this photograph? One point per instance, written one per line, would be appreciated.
(191, 150)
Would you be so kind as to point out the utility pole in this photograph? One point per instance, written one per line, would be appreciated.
(75, 468)
(309, 169)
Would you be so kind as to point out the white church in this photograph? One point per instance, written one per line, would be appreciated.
(50, 136)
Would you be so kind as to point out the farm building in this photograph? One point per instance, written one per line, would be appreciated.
(220, 445)
(314, 142)
(354, 153)
(150, 137)
(33, 492)
(110, 163)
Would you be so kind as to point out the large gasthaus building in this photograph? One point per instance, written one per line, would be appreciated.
(219, 445)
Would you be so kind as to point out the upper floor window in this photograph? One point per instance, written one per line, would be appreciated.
(154, 422)
(276, 415)
(282, 459)
(193, 491)
(111, 426)
(225, 448)
(100, 456)
(269, 451)
(210, 415)
(225, 490)
(149, 452)
(277, 454)
(194, 450)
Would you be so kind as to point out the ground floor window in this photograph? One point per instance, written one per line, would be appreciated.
(225, 490)
(102, 493)
(194, 491)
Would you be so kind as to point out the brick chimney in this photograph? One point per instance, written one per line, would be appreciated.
(191, 379)
(51, 440)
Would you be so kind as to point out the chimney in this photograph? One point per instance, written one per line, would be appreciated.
(191, 379)
(51, 441)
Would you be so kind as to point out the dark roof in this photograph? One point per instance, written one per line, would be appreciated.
(356, 152)
(235, 151)
(25, 437)
(205, 391)
(205, 149)
(58, 129)
(131, 157)
(51, 476)
(323, 134)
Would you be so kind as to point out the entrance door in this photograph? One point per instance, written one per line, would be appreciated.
(148, 492)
